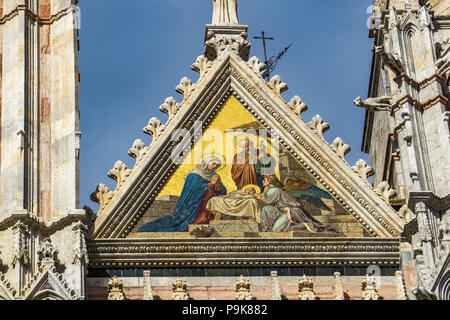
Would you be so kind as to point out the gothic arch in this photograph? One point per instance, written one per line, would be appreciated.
(411, 36)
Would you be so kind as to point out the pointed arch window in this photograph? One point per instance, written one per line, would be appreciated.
(410, 43)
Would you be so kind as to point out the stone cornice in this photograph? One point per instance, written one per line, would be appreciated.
(35, 16)
(47, 228)
(435, 100)
(421, 106)
(243, 252)
(432, 201)
(419, 85)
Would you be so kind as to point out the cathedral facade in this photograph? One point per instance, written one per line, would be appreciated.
(237, 197)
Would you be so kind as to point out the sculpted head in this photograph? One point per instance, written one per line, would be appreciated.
(272, 181)
(246, 145)
(378, 49)
(358, 101)
(211, 163)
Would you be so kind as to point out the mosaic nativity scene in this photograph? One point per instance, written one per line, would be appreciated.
(237, 196)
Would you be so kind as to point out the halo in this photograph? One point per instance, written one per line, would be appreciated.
(241, 136)
(258, 189)
(218, 156)
(255, 139)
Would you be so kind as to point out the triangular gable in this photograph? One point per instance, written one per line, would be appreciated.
(229, 75)
(49, 285)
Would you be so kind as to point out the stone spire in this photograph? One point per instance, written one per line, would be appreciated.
(225, 12)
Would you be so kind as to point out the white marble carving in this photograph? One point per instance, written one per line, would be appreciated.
(340, 147)
(138, 150)
(374, 104)
(119, 173)
(385, 191)
(392, 60)
(171, 107)
(297, 106)
(319, 126)
(363, 169)
(202, 66)
(277, 85)
(185, 87)
(154, 128)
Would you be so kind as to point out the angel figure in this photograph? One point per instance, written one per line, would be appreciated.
(302, 190)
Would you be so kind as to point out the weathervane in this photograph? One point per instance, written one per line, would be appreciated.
(271, 63)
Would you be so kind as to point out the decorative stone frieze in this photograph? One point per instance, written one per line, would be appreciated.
(443, 63)
(217, 252)
(8, 290)
(48, 284)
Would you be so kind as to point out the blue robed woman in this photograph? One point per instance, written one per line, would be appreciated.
(201, 184)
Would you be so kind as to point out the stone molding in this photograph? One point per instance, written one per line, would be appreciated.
(46, 228)
(42, 21)
(230, 75)
(432, 201)
(421, 106)
(238, 252)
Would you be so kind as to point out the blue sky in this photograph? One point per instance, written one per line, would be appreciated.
(134, 52)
